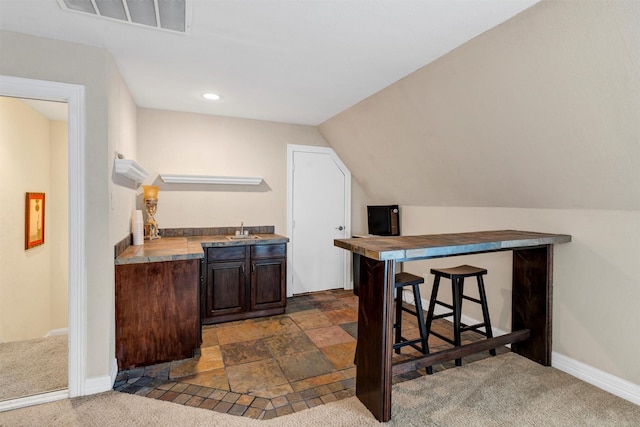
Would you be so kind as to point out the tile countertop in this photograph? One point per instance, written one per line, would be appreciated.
(182, 248)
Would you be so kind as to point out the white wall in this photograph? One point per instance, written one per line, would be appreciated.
(184, 143)
(33, 283)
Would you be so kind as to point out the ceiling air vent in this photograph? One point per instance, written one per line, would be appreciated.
(171, 15)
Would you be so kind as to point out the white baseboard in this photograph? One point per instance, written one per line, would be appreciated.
(23, 402)
(61, 331)
(408, 298)
(603, 380)
(114, 371)
(51, 333)
(102, 384)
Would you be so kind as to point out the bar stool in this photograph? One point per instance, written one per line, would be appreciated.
(457, 276)
(401, 280)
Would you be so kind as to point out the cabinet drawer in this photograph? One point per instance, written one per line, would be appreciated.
(268, 251)
(225, 254)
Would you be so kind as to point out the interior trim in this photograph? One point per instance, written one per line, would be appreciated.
(37, 399)
(603, 380)
(74, 96)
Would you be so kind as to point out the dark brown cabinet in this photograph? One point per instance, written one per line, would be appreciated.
(225, 291)
(242, 282)
(156, 312)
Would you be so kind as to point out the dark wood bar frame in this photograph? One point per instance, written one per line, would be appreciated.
(374, 271)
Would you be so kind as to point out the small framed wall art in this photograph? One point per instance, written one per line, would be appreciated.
(34, 220)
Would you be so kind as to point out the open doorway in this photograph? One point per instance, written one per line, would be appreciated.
(73, 96)
(34, 273)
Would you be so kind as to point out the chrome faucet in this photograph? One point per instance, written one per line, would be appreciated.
(242, 228)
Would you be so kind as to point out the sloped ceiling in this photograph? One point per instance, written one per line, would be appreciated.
(277, 60)
(540, 112)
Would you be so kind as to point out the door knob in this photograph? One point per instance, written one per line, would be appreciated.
(340, 228)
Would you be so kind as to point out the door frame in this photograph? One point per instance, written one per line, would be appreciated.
(74, 96)
(291, 149)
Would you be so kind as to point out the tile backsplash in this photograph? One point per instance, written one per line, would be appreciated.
(213, 231)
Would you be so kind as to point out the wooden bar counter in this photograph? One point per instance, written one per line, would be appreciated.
(376, 258)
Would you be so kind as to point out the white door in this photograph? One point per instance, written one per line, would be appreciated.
(319, 211)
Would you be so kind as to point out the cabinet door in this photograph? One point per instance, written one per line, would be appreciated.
(156, 312)
(226, 288)
(268, 283)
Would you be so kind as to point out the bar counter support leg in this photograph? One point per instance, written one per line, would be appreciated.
(532, 301)
(375, 338)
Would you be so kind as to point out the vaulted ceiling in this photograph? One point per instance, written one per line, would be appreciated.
(541, 112)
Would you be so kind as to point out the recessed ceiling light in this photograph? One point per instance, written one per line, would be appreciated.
(211, 96)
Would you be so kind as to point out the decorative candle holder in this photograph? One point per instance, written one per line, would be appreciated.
(151, 205)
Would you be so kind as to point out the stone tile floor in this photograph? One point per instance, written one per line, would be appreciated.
(268, 367)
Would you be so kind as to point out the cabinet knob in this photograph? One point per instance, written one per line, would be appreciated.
(340, 228)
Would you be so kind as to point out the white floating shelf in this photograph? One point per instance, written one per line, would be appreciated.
(208, 179)
(130, 169)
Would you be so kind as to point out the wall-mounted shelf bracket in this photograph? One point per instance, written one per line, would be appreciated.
(130, 169)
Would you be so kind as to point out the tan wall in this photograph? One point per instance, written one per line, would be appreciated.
(596, 287)
(534, 125)
(45, 59)
(122, 139)
(540, 112)
(33, 283)
(58, 204)
(183, 143)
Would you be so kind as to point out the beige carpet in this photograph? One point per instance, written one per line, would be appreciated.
(33, 366)
(505, 390)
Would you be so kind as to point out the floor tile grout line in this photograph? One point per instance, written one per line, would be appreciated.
(270, 400)
(271, 407)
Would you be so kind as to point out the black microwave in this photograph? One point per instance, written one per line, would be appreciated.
(383, 220)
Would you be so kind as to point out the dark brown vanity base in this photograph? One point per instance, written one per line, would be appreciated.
(243, 282)
(165, 288)
(156, 312)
